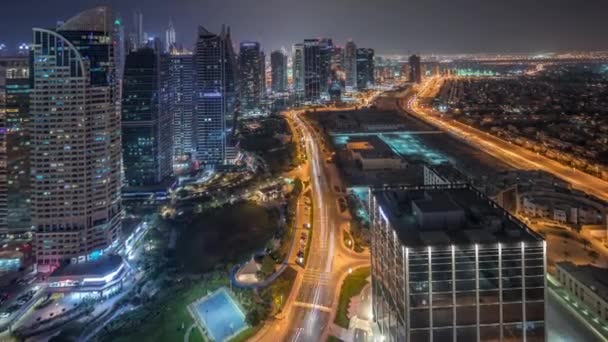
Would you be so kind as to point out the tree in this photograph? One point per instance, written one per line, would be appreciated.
(267, 265)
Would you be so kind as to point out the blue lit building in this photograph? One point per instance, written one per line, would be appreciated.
(365, 68)
(215, 98)
(146, 122)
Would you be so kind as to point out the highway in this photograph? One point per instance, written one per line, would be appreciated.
(511, 154)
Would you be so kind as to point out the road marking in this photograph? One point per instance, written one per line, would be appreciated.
(312, 306)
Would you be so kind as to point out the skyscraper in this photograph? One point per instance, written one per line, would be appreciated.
(147, 137)
(139, 39)
(15, 75)
(181, 80)
(350, 64)
(298, 67)
(75, 139)
(326, 50)
(251, 74)
(415, 70)
(120, 46)
(3, 159)
(312, 69)
(278, 65)
(448, 264)
(215, 101)
(365, 68)
(169, 36)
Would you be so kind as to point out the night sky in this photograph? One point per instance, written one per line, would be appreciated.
(389, 26)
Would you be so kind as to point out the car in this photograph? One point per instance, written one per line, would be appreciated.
(4, 314)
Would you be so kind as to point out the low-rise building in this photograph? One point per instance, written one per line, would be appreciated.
(372, 153)
(588, 283)
(101, 276)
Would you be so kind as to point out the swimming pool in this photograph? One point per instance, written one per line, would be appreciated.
(220, 315)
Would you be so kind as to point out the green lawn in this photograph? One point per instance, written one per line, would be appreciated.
(352, 286)
(163, 319)
(225, 235)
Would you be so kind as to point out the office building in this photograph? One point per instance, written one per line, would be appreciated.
(15, 102)
(138, 37)
(298, 67)
(415, 69)
(147, 139)
(448, 264)
(326, 55)
(215, 102)
(350, 64)
(252, 74)
(278, 65)
(365, 68)
(75, 141)
(169, 36)
(181, 80)
(312, 70)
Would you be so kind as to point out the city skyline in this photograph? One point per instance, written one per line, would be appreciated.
(389, 27)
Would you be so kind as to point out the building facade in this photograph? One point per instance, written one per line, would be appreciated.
(170, 39)
(350, 64)
(312, 69)
(75, 140)
(251, 71)
(415, 69)
(448, 264)
(298, 67)
(278, 65)
(365, 68)
(181, 80)
(147, 134)
(215, 97)
(15, 77)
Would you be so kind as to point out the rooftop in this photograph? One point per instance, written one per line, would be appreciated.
(596, 278)
(448, 214)
(370, 146)
(98, 268)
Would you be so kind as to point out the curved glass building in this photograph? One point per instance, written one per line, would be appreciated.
(75, 138)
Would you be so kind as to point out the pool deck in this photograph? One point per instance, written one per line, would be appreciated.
(200, 322)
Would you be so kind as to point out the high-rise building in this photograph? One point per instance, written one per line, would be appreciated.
(215, 101)
(365, 68)
(147, 139)
(169, 36)
(75, 140)
(312, 69)
(350, 64)
(278, 64)
(415, 70)
(120, 46)
(138, 35)
(181, 80)
(15, 76)
(337, 58)
(326, 52)
(298, 67)
(262, 75)
(3, 159)
(448, 264)
(252, 72)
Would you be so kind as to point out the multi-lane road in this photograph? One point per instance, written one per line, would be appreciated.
(511, 154)
(309, 312)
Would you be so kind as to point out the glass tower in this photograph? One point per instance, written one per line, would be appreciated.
(146, 122)
(215, 97)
